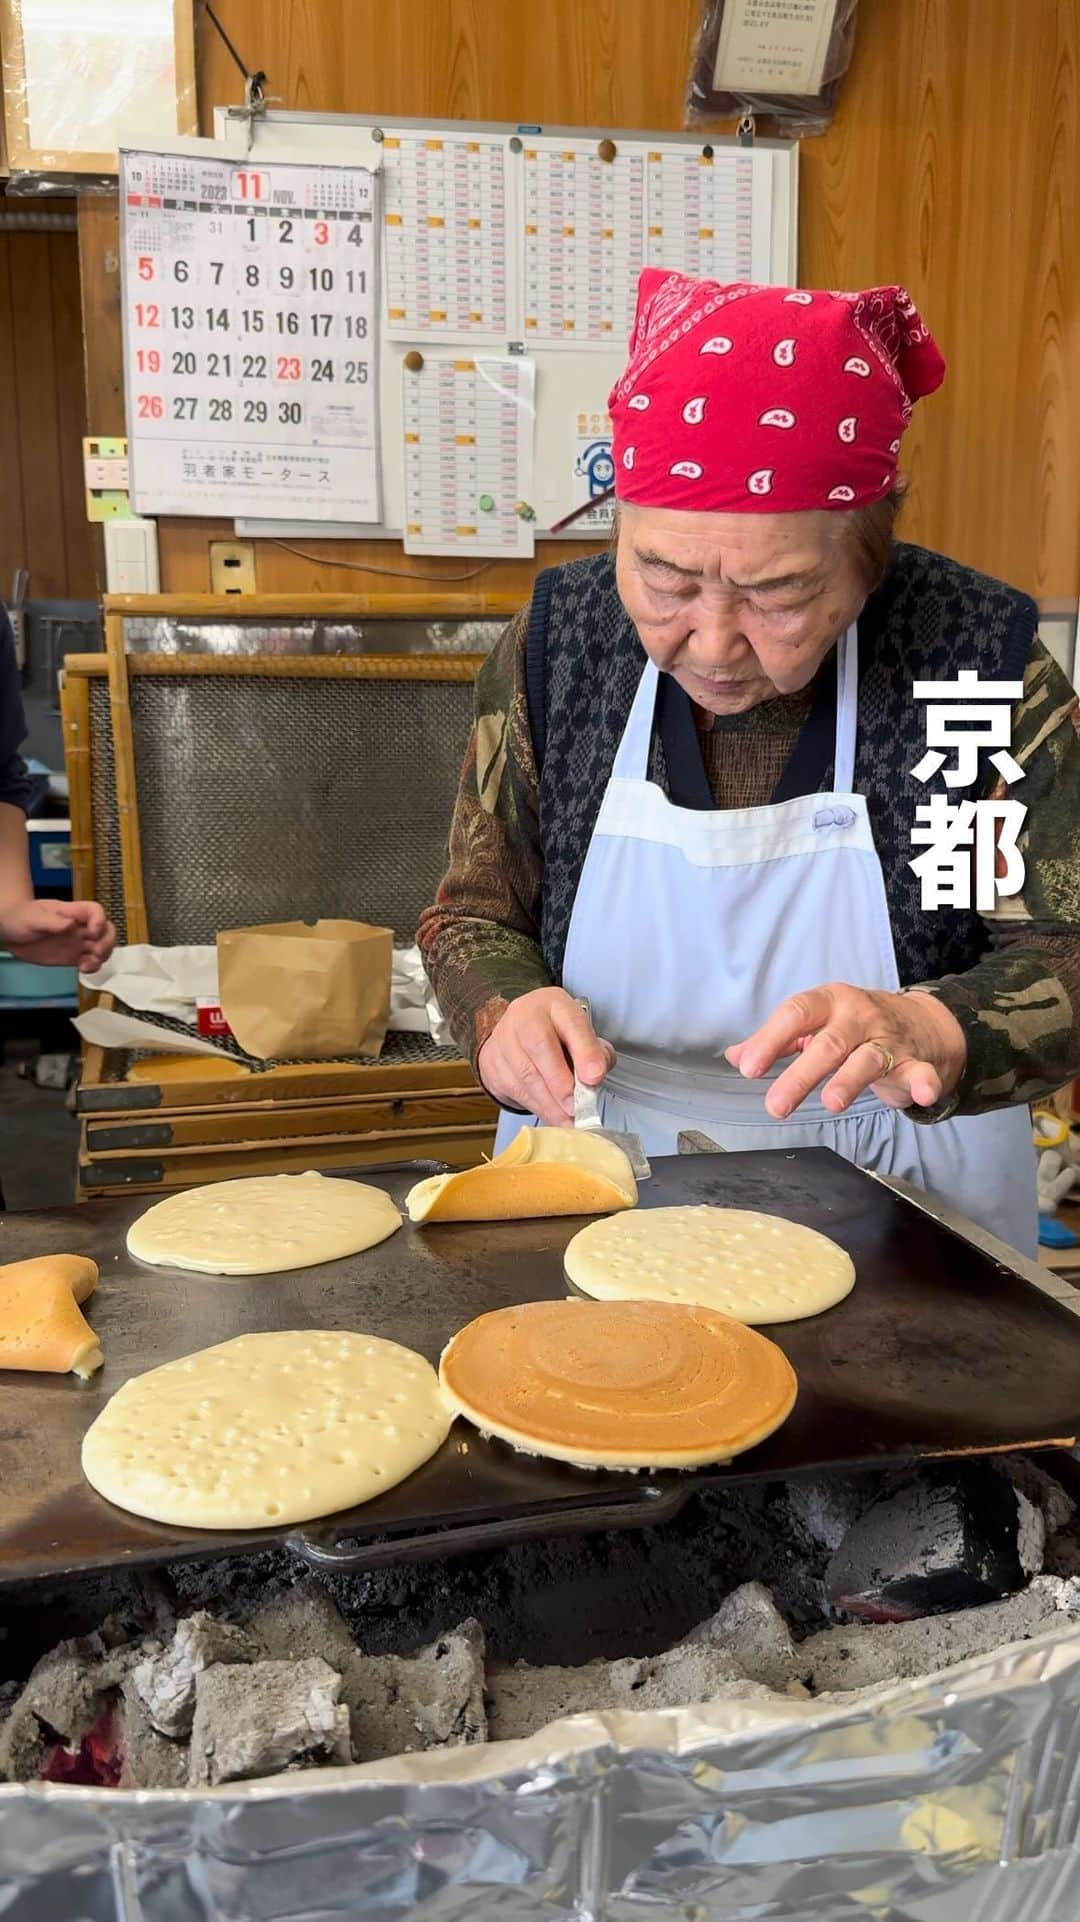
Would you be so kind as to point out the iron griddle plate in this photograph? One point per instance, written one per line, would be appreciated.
(939, 1350)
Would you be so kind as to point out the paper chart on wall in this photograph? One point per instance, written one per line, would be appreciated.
(461, 276)
(468, 438)
(444, 236)
(588, 226)
(702, 214)
(583, 243)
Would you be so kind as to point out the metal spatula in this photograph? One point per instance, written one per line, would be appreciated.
(587, 1115)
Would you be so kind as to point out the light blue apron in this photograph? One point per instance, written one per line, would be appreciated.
(690, 928)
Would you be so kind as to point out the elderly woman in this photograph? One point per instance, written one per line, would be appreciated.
(689, 798)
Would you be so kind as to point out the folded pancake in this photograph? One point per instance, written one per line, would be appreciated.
(41, 1327)
(618, 1384)
(544, 1171)
(754, 1267)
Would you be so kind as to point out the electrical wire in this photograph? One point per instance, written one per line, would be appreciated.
(394, 573)
(330, 560)
(256, 78)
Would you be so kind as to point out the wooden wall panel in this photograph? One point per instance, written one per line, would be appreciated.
(953, 166)
(43, 523)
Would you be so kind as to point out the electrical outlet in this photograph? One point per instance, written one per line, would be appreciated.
(105, 471)
(232, 567)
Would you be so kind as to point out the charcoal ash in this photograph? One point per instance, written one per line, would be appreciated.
(264, 1718)
(868, 1655)
(229, 1667)
(555, 1599)
(166, 1679)
(749, 1622)
(431, 1700)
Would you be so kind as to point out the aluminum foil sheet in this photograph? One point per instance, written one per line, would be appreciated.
(950, 1800)
(174, 634)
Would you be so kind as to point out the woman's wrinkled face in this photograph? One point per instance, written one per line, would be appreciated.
(737, 607)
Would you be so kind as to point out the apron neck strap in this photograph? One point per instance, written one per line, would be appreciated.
(847, 710)
(632, 756)
(631, 761)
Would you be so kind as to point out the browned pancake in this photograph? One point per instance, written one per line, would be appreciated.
(638, 1384)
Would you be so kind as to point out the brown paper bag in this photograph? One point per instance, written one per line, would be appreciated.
(300, 992)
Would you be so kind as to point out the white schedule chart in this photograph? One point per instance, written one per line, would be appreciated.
(444, 223)
(583, 243)
(468, 436)
(250, 337)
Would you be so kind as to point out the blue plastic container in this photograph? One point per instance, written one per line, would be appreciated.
(25, 982)
(50, 854)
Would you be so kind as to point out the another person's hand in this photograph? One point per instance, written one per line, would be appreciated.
(909, 1048)
(58, 934)
(530, 1058)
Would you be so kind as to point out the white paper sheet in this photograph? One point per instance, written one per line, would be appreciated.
(95, 73)
(171, 981)
(773, 46)
(111, 1028)
(447, 272)
(583, 242)
(701, 214)
(158, 980)
(468, 446)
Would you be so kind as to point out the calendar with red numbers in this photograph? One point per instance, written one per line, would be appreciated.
(251, 307)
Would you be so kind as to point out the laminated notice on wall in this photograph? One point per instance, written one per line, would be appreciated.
(468, 438)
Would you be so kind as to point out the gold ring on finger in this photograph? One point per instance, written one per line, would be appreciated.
(887, 1056)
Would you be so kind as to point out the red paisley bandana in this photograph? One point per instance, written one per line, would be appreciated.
(772, 400)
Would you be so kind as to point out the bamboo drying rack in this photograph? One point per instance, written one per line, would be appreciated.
(120, 667)
(102, 1094)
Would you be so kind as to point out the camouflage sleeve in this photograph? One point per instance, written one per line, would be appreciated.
(481, 938)
(1019, 1006)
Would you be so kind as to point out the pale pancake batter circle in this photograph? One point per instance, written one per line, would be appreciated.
(263, 1225)
(756, 1268)
(618, 1384)
(267, 1430)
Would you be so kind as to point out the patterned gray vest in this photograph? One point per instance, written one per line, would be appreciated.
(930, 618)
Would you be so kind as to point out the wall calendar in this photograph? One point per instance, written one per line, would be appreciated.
(251, 304)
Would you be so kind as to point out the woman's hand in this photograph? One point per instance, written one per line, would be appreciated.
(909, 1048)
(58, 934)
(530, 1058)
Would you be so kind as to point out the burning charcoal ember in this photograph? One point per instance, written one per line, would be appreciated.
(431, 1700)
(95, 1761)
(302, 1621)
(63, 1699)
(750, 1627)
(940, 1538)
(522, 1699)
(867, 1655)
(165, 1682)
(264, 1717)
